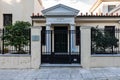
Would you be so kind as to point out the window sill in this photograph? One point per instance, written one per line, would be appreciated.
(15, 55)
(105, 55)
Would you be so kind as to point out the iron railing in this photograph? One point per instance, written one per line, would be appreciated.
(105, 41)
(9, 41)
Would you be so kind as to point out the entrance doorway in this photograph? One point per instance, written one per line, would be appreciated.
(60, 54)
(60, 39)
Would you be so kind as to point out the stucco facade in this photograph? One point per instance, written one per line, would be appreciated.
(21, 10)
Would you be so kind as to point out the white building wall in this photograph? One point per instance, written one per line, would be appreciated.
(20, 9)
(98, 10)
(103, 7)
(37, 7)
(116, 12)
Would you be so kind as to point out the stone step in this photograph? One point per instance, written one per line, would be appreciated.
(60, 65)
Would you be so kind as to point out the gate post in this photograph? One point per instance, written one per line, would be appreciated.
(85, 46)
(35, 47)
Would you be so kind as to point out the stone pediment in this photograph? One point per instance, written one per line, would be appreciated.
(60, 10)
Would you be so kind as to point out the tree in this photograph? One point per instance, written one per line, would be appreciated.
(17, 35)
(103, 40)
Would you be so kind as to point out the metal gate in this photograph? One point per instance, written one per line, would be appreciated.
(61, 52)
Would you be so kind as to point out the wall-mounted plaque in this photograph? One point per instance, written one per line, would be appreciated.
(35, 38)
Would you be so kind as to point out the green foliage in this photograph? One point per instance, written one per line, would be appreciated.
(103, 40)
(17, 35)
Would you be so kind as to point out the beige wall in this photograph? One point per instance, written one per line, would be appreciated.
(12, 61)
(99, 24)
(39, 24)
(105, 61)
(35, 48)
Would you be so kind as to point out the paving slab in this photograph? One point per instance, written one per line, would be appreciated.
(61, 73)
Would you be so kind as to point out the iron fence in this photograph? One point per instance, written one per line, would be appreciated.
(105, 41)
(12, 42)
(61, 50)
(1, 41)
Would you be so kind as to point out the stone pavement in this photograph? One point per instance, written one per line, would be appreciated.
(61, 73)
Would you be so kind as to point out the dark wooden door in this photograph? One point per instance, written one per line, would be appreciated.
(60, 39)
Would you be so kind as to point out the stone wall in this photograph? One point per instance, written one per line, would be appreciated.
(105, 61)
(15, 61)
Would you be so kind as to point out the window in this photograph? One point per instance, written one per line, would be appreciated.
(110, 30)
(43, 37)
(110, 7)
(7, 19)
(77, 35)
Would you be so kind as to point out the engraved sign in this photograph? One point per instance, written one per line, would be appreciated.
(60, 20)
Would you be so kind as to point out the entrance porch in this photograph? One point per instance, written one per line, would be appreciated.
(60, 32)
(62, 45)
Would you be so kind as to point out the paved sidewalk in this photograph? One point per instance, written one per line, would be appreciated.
(63, 73)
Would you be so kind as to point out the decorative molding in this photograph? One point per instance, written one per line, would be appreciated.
(61, 8)
(81, 14)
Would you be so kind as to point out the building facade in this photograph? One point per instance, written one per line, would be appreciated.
(59, 19)
(61, 36)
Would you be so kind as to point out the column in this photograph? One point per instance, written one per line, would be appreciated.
(35, 47)
(72, 28)
(48, 39)
(85, 46)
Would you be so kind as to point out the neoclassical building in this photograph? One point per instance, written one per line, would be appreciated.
(59, 19)
(63, 35)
